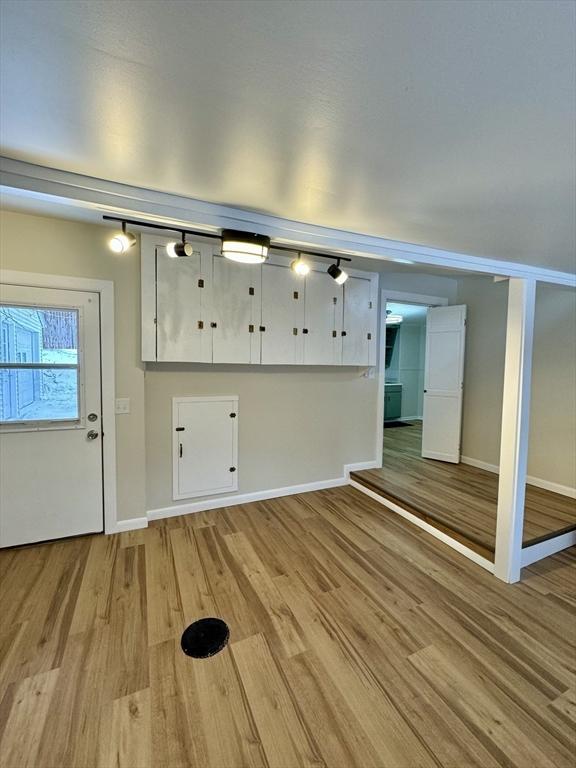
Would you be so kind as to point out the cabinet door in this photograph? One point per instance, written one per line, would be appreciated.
(182, 307)
(205, 448)
(322, 320)
(236, 311)
(357, 335)
(282, 316)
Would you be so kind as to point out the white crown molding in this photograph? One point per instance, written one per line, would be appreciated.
(133, 202)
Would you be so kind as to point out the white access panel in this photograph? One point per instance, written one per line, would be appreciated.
(282, 316)
(183, 332)
(205, 445)
(443, 383)
(236, 314)
(358, 335)
(322, 320)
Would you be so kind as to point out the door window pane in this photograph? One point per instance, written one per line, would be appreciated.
(39, 371)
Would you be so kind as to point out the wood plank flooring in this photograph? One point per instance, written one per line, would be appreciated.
(456, 498)
(356, 640)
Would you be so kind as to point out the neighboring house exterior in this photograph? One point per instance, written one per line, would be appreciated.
(21, 342)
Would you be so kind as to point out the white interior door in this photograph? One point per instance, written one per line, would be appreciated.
(50, 414)
(443, 383)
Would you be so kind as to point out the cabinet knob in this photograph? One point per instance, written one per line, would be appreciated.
(304, 330)
(213, 325)
(343, 333)
(232, 469)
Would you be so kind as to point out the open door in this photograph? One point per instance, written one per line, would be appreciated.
(443, 383)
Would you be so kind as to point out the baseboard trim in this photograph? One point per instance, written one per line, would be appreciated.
(132, 524)
(243, 498)
(443, 537)
(563, 490)
(546, 548)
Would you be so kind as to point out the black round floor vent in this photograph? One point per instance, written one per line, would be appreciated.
(205, 638)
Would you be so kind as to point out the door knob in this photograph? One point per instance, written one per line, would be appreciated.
(92, 434)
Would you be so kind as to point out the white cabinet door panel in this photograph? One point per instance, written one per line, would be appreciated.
(236, 310)
(205, 447)
(282, 316)
(357, 324)
(323, 320)
(182, 323)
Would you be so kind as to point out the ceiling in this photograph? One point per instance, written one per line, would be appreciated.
(449, 124)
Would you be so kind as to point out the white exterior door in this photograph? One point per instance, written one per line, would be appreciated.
(50, 414)
(443, 383)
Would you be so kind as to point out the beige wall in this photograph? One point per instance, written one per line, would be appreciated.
(552, 448)
(55, 246)
(295, 426)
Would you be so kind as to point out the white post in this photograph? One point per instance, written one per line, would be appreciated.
(515, 429)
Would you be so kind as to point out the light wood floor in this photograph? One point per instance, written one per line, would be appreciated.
(356, 640)
(457, 498)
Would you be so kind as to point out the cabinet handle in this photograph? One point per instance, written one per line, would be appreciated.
(213, 325)
(232, 415)
(180, 451)
(179, 429)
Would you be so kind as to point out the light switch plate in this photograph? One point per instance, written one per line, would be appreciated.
(122, 405)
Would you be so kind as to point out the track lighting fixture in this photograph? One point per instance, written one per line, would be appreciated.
(299, 266)
(245, 247)
(177, 250)
(337, 274)
(122, 241)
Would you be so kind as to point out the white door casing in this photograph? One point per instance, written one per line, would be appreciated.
(443, 383)
(50, 471)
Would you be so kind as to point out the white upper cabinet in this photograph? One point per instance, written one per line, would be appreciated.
(236, 311)
(358, 332)
(282, 315)
(207, 309)
(183, 306)
(322, 320)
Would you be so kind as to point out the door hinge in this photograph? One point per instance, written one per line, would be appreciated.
(295, 294)
(250, 328)
(200, 325)
(369, 305)
(335, 299)
(200, 283)
(251, 291)
(295, 331)
(369, 336)
(155, 321)
(334, 334)
(262, 328)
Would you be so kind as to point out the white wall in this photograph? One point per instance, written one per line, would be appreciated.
(552, 448)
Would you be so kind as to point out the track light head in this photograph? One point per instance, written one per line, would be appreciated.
(337, 274)
(300, 267)
(245, 247)
(121, 242)
(178, 250)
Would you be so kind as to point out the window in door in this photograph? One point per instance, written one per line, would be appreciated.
(39, 365)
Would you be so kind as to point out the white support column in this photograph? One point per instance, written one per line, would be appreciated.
(515, 429)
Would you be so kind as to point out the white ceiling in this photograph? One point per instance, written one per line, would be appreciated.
(449, 124)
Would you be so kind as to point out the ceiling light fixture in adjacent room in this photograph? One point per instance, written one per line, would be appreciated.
(122, 241)
(392, 319)
(177, 250)
(337, 274)
(245, 247)
(299, 266)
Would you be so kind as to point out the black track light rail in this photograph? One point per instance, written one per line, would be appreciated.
(200, 233)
